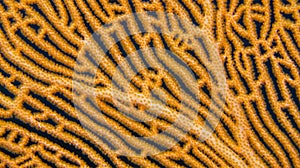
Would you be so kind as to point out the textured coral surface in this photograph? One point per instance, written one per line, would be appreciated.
(258, 43)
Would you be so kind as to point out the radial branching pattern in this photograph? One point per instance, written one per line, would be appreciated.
(258, 43)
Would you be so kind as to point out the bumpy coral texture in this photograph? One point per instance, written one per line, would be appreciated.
(258, 43)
